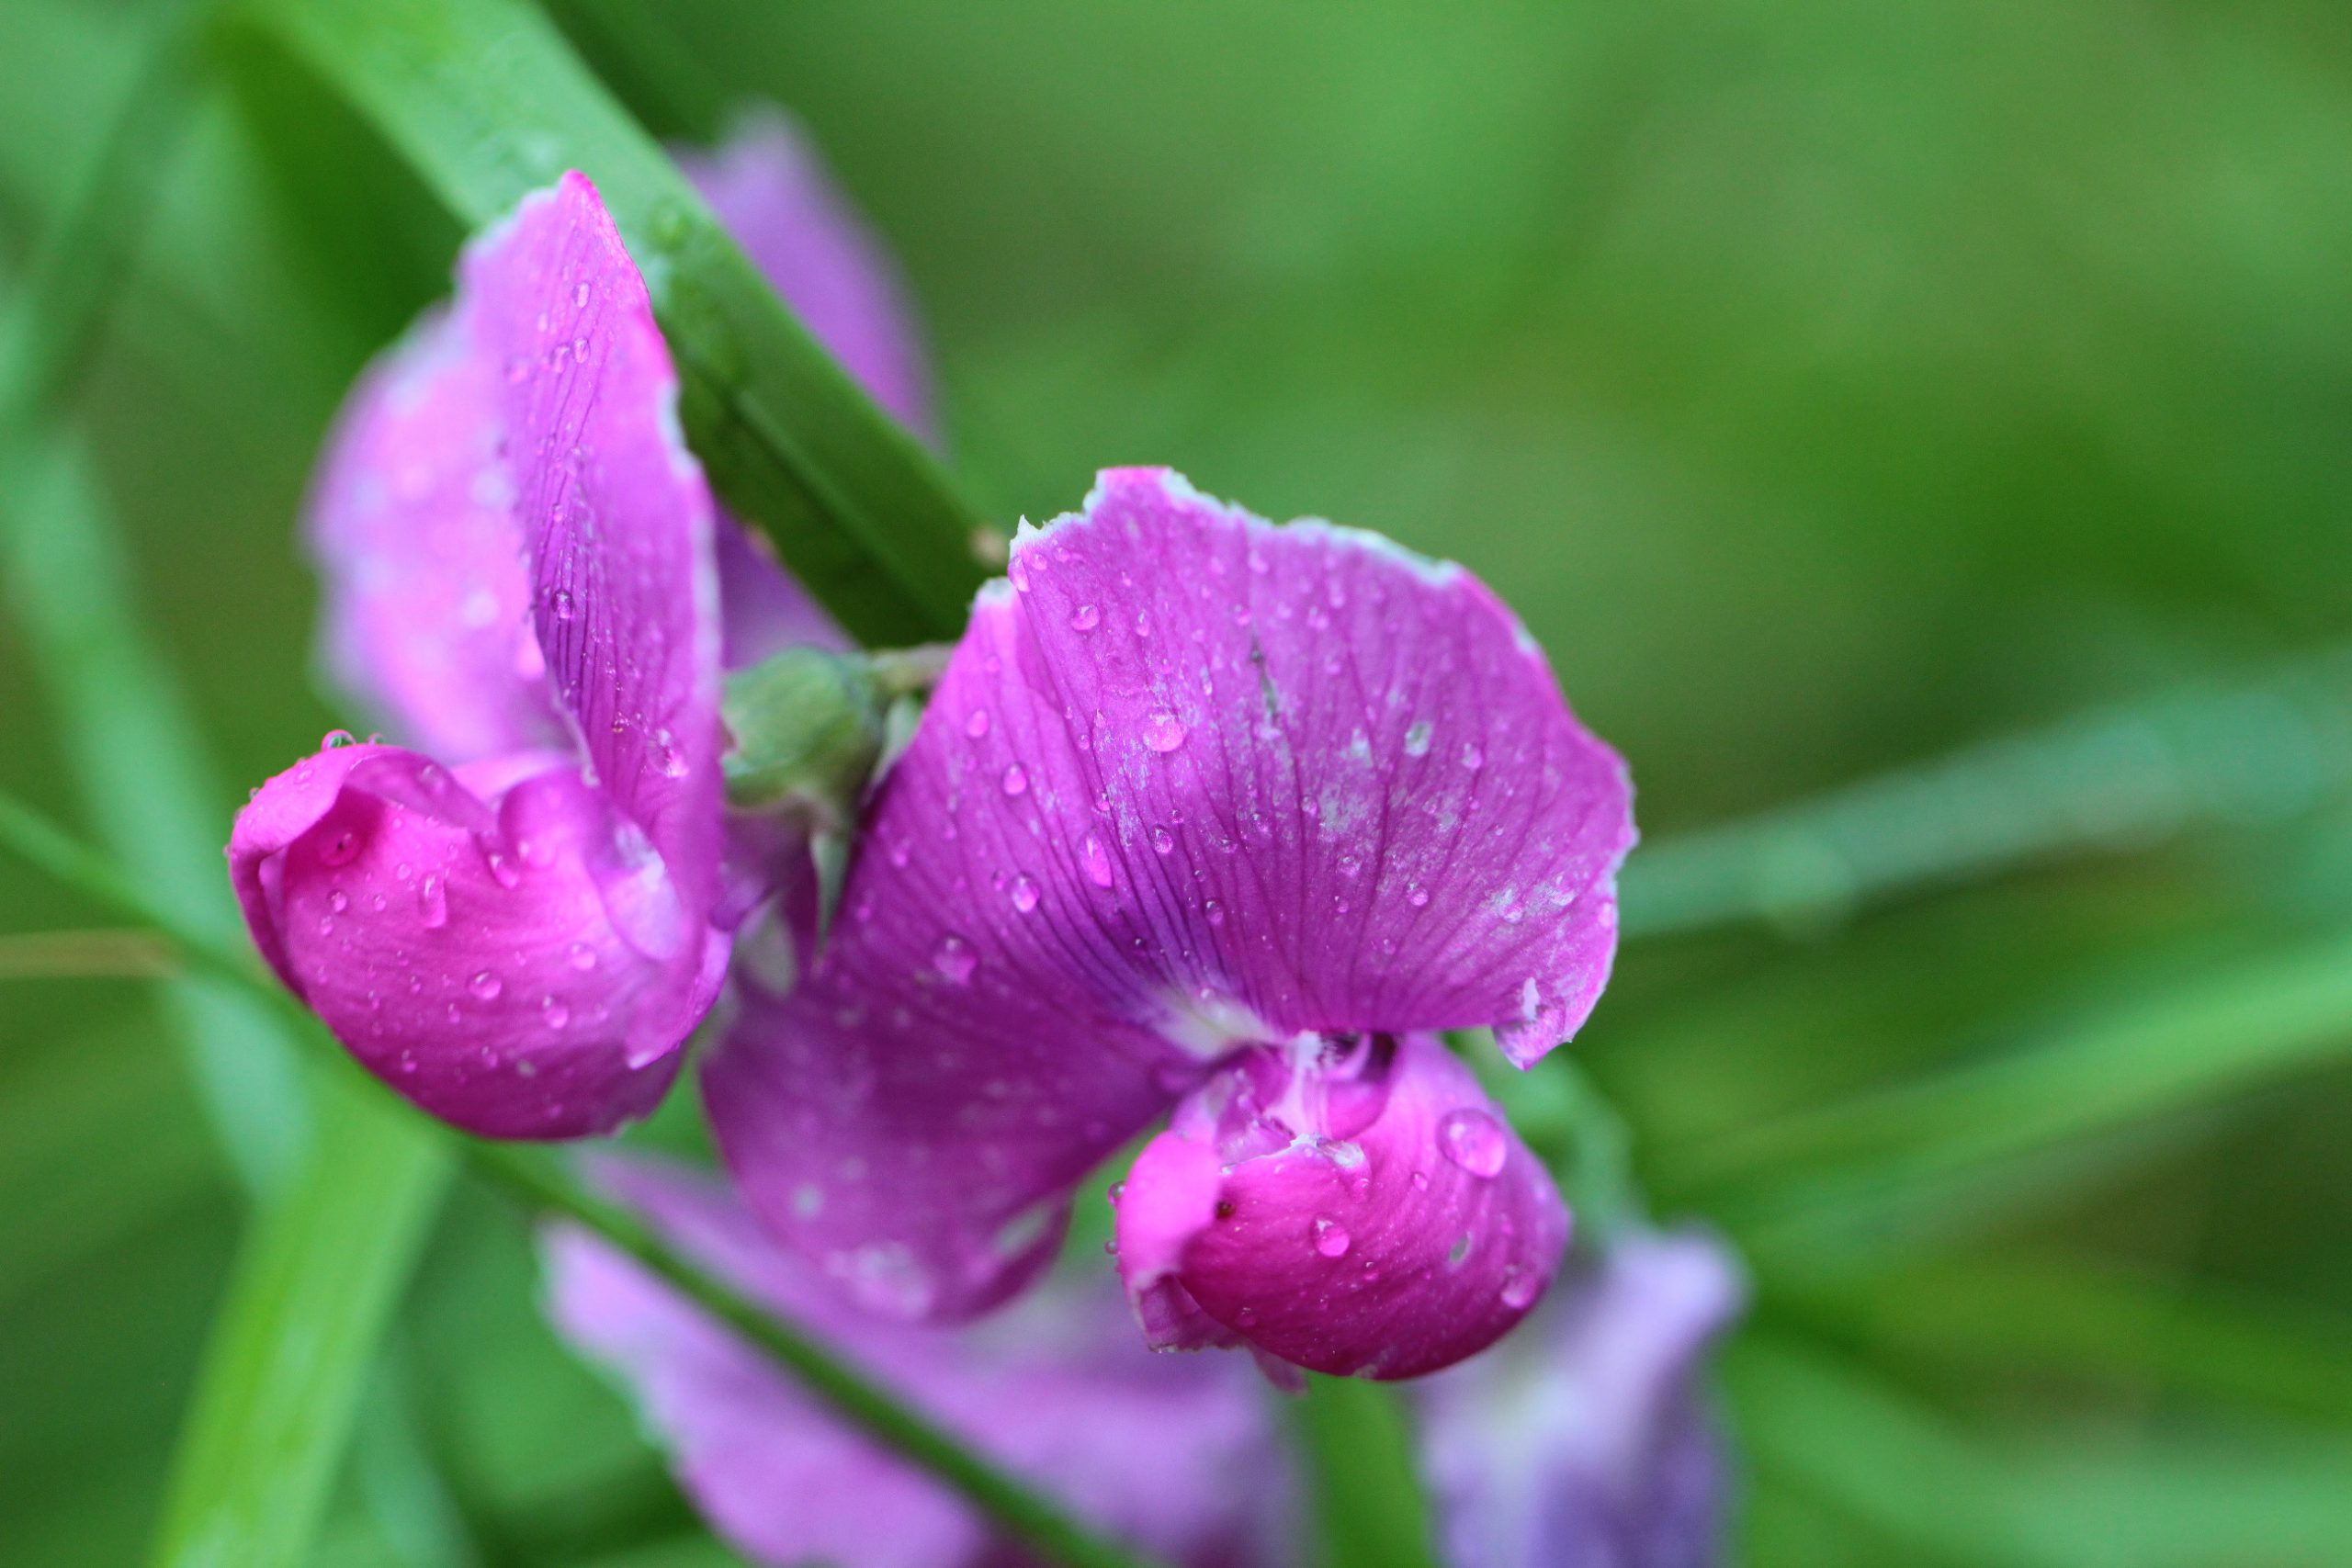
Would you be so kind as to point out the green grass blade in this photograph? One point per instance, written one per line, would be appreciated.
(487, 102)
(1363, 1475)
(1876, 1166)
(295, 1343)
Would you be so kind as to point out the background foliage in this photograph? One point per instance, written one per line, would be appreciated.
(1831, 387)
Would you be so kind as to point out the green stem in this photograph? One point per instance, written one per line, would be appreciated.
(532, 1177)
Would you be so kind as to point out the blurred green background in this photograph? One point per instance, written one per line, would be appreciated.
(1832, 387)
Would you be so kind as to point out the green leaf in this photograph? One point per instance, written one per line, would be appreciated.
(487, 102)
(1358, 1443)
(292, 1348)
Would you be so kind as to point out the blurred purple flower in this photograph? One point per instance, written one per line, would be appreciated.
(1177, 1455)
(1218, 816)
(525, 576)
(1586, 1442)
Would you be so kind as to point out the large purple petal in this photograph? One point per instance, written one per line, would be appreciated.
(768, 188)
(1176, 1454)
(1360, 1209)
(616, 519)
(426, 619)
(470, 938)
(1192, 783)
(1586, 1441)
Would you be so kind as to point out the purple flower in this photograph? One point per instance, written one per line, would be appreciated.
(1586, 1443)
(1176, 1455)
(525, 576)
(521, 944)
(1218, 816)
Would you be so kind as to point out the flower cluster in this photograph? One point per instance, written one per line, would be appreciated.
(1207, 825)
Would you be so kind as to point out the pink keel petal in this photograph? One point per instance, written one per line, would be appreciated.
(1387, 1247)
(1176, 1455)
(464, 949)
(1191, 783)
(426, 617)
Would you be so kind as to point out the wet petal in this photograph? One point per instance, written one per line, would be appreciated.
(1587, 1439)
(426, 619)
(768, 188)
(477, 940)
(1176, 1454)
(1368, 1213)
(1191, 783)
(616, 517)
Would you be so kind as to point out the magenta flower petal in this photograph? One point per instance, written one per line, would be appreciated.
(1192, 784)
(1177, 1455)
(618, 518)
(1587, 1440)
(473, 950)
(1362, 1211)
(768, 188)
(426, 619)
(521, 949)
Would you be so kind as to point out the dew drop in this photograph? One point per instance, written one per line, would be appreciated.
(1474, 1141)
(1025, 892)
(485, 986)
(334, 739)
(1163, 841)
(1418, 897)
(580, 297)
(1331, 1238)
(1472, 758)
(976, 723)
(432, 902)
(554, 1012)
(1097, 860)
(1520, 1289)
(338, 901)
(1416, 738)
(1163, 731)
(1215, 911)
(954, 959)
(563, 604)
(1085, 618)
(1016, 780)
(583, 957)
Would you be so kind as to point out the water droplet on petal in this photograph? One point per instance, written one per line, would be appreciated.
(1331, 1238)
(583, 957)
(1215, 911)
(336, 738)
(1097, 860)
(1016, 780)
(554, 1012)
(1416, 738)
(432, 902)
(1085, 618)
(338, 901)
(1163, 731)
(1418, 897)
(1472, 758)
(485, 985)
(1025, 892)
(1474, 1141)
(1163, 841)
(954, 959)
(563, 604)
(1520, 1289)
(976, 723)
